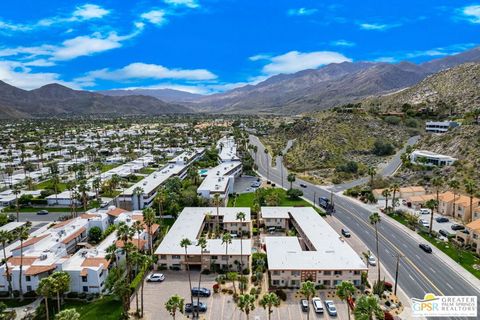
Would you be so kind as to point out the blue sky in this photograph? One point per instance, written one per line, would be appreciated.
(209, 46)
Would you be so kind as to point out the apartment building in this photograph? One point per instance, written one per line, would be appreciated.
(192, 223)
(431, 158)
(458, 206)
(317, 253)
(472, 236)
(219, 180)
(227, 149)
(440, 126)
(65, 198)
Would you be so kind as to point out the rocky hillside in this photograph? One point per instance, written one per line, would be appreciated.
(454, 90)
(54, 99)
(167, 95)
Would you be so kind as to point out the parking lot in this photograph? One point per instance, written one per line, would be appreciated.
(221, 306)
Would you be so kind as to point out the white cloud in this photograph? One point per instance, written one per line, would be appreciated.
(13, 27)
(343, 43)
(90, 11)
(431, 53)
(259, 57)
(187, 3)
(472, 13)
(301, 12)
(294, 61)
(139, 70)
(377, 26)
(157, 17)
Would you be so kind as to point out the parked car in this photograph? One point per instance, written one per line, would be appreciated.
(331, 309)
(156, 277)
(303, 185)
(372, 261)
(444, 233)
(202, 292)
(346, 233)
(42, 212)
(441, 219)
(317, 305)
(425, 247)
(202, 307)
(271, 229)
(304, 305)
(255, 184)
(424, 211)
(104, 204)
(424, 223)
(457, 227)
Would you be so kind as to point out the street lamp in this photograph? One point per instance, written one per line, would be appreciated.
(398, 256)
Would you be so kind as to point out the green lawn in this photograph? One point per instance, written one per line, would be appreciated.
(246, 200)
(147, 170)
(105, 308)
(108, 166)
(14, 303)
(465, 258)
(47, 184)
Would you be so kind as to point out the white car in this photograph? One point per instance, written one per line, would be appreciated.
(156, 277)
(372, 261)
(424, 211)
(424, 223)
(317, 305)
(331, 309)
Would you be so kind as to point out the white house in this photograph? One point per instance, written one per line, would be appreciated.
(431, 158)
(440, 126)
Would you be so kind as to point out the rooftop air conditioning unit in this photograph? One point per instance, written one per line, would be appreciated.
(43, 257)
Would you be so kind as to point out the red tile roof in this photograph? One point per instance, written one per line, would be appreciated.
(74, 235)
(31, 241)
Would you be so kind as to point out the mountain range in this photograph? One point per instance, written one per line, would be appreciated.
(303, 91)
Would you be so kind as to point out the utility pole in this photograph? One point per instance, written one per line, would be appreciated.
(314, 197)
(398, 256)
(281, 167)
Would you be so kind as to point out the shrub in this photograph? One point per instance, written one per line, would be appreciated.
(230, 291)
(388, 286)
(246, 271)
(72, 295)
(206, 271)
(253, 291)
(30, 294)
(281, 294)
(216, 288)
(82, 295)
(253, 278)
(348, 167)
(383, 148)
(393, 120)
(294, 193)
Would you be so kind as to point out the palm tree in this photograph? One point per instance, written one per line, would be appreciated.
(184, 243)
(375, 220)
(255, 150)
(16, 191)
(227, 239)
(160, 198)
(437, 182)
(241, 217)
(149, 220)
(147, 262)
(345, 291)
(431, 204)
(307, 289)
(46, 288)
(68, 314)
(125, 234)
(174, 303)
(216, 202)
(371, 172)
(22, 235)
(246, 303)
(454, 185)
(386, 193)
(55, 182)
(256, 208)
(5, 238)
(82, 188)
(269, 301)
(471, 189)
(291, 178)
(138, 228)
(202, 243)
(395, 188)
(111, 254)
(268, 164)
(62, 284)
(138, 191)
(367, 308)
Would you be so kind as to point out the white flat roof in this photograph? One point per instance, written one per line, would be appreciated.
(217, 177)
(330, 252)
(188, 225)
(432, 154)
(149, 183)
(276, 212)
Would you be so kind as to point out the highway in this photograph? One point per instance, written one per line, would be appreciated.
(419, 272)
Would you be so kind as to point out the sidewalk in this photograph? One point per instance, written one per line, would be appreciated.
(474, 281)
(26, 310)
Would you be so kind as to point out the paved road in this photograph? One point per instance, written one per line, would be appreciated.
(420, 273)
(387, 169)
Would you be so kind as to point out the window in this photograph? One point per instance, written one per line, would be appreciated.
(28, 278)
(29, 288)
(276, 273)
(326, 283)
(163, 257)
(295, 273)
(101, 274)
(224, 258)
(356, 272)
(85, 289)
(336, 282)
(294, 283)
(214, 257)
(356, 283)
(338, 273)
(84, 278)
(176, 257)
(327, 272)
(276, 282)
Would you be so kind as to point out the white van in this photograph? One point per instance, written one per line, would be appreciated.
(317, 305)
(424, 211)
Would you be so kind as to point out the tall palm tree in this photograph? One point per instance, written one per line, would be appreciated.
(184, 243)
(149, 220)
(454, 185)
(5, 238)
(241, 217)
(291, 178)
(269, 301)
(371, 172)
(216, 202)
(395, 188)
(147, 262)
(227, 239)
(125, 234)
(268, 164)
(375, 220)
(138, 228)
(246, 303)
(431, 204)
(62, 284)
(368, 308)
(22, 235)
(345, 291)
(202, 243)
(437, 182)
(307, 289)
(174, 303)
(46, 288)
(471, 189)
(255, 150)
(386, 193)
(16, 191)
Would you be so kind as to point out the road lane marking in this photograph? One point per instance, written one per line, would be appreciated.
(448, 285)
